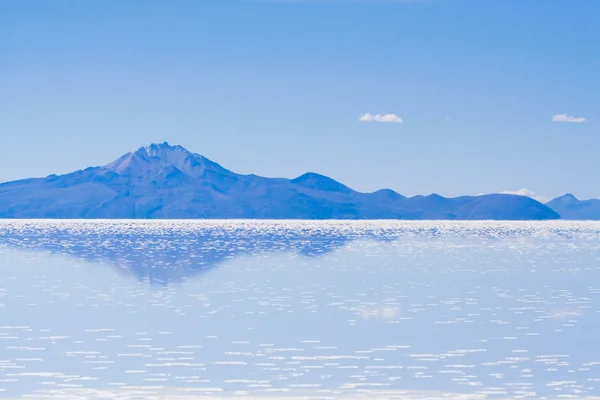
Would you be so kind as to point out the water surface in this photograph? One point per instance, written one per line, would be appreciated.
(315, 310)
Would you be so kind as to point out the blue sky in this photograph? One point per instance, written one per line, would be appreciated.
(278, 88)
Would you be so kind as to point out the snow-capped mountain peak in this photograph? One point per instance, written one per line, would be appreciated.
(160, 149)
(159, 157)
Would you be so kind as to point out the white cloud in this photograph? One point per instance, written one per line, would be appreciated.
(528, 193)
(520, 192)
(523, 192)
(567, 118)
(389, 118)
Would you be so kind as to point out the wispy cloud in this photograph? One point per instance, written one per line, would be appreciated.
(388, 118)
(524, 192)
(567, 118)
(528, 193)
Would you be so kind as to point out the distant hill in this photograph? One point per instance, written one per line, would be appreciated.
(164, 181)
(570, 207)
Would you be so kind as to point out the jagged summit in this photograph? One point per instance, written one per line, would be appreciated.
(159, 149)
(160, 157)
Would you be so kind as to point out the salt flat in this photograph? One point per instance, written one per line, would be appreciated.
(299, 309)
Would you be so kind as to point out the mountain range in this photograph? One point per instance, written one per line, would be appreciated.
(169, 182)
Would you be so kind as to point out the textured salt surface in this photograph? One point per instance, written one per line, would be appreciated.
(291, 310)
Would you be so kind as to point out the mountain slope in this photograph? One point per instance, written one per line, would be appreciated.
(570, 207)
(163, 181)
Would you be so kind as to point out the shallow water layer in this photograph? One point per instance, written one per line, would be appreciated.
(299, 310)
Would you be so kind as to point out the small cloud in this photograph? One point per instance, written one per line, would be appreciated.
(528, 193)
(524, 192)
(520, 192)
(388, 118)
(567, 118)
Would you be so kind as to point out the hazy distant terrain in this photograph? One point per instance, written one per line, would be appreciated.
(569, 207)
(164, 181)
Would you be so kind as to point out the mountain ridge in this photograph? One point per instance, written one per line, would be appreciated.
(570, 207)
(165, 181)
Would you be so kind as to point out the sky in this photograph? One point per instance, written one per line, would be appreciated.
(421, 96)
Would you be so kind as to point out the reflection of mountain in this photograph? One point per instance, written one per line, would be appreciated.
(170, 255)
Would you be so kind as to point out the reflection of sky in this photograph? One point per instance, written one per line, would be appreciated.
(506, 309)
